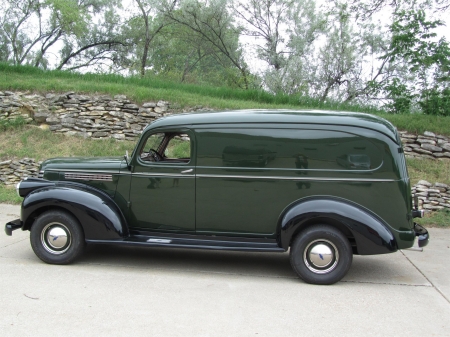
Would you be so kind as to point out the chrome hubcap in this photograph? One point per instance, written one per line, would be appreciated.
(321, 256)
(55, 238)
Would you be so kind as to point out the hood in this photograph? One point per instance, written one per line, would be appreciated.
(84, 163)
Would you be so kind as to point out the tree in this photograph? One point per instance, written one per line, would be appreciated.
(15, 21)
(414, 42)
(182, 56)
(263, 19)
(144, 25)
(97, 44)
(287, 30)
(31, 28)
(211, 22)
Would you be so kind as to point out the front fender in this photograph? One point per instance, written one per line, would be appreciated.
(371, 233)
(97, 213)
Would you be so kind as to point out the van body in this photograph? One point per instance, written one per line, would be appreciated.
(324, 185)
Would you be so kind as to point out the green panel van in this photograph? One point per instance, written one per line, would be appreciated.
(323, 185)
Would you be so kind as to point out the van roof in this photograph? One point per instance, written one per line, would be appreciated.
(317, 117)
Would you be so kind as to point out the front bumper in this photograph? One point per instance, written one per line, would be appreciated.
(12, 226)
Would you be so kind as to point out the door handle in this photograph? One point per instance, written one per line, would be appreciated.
(187, 171)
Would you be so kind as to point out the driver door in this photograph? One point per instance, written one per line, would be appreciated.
(162, 191)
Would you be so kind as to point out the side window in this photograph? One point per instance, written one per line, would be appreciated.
(167, 147)
(178, 147)
(153, 142)
(287, 148)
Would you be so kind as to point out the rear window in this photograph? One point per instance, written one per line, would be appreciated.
(286, 148)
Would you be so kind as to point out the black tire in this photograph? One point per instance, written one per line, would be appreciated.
(57, 238)
(321, 255)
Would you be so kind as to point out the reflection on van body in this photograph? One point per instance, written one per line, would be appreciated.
(354, 161)
(241, 157)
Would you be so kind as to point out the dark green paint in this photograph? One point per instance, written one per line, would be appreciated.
(249, 166)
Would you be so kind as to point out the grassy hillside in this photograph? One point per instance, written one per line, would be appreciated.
(182, 95)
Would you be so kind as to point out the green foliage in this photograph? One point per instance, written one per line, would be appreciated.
(178, 149)
(6, 124)
(427, 60)
(72, 17)
(214, 27)
(435, 101)
(436, 219)
(32, 142)
(9, 195)
(429, 170)
(400, 95)
(156, 88)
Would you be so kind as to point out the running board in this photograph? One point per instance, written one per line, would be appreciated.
(176, 242)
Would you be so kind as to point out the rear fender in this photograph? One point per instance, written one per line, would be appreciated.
(97, 213)
(372, 235)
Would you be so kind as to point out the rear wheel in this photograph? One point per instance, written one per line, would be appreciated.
(321, 255)
(56, 237)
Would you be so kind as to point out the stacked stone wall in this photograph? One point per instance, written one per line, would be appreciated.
(103, 116)
(13, 171)
(100, 116)
(426, 146)
(432, 197)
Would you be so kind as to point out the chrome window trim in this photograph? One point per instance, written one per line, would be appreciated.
(253, 169)
(294, 178)
(168, 175)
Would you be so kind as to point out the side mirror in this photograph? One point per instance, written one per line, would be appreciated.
(127, 158)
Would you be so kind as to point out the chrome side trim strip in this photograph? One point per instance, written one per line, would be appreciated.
(91, 177)
(168, 175)
(295, 178)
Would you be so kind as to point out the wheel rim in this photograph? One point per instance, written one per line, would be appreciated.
(321, 256)
(56, 238)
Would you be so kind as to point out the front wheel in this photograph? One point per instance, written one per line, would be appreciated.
(56, 237)
(321, 255)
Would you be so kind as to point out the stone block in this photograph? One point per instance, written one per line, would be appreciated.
(80, 98)
(160, 109)
(426, 141)
(441, 185)
(100, 134)
(55, 127)
(41, 116)
(52, 120)
(131, 106)
(424, 183)
(431, 148)
(433, 207)
(423, 151)
(96, 108)
(118, 136)
(114, 104)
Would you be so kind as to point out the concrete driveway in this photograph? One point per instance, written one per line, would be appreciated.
(119, 291)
